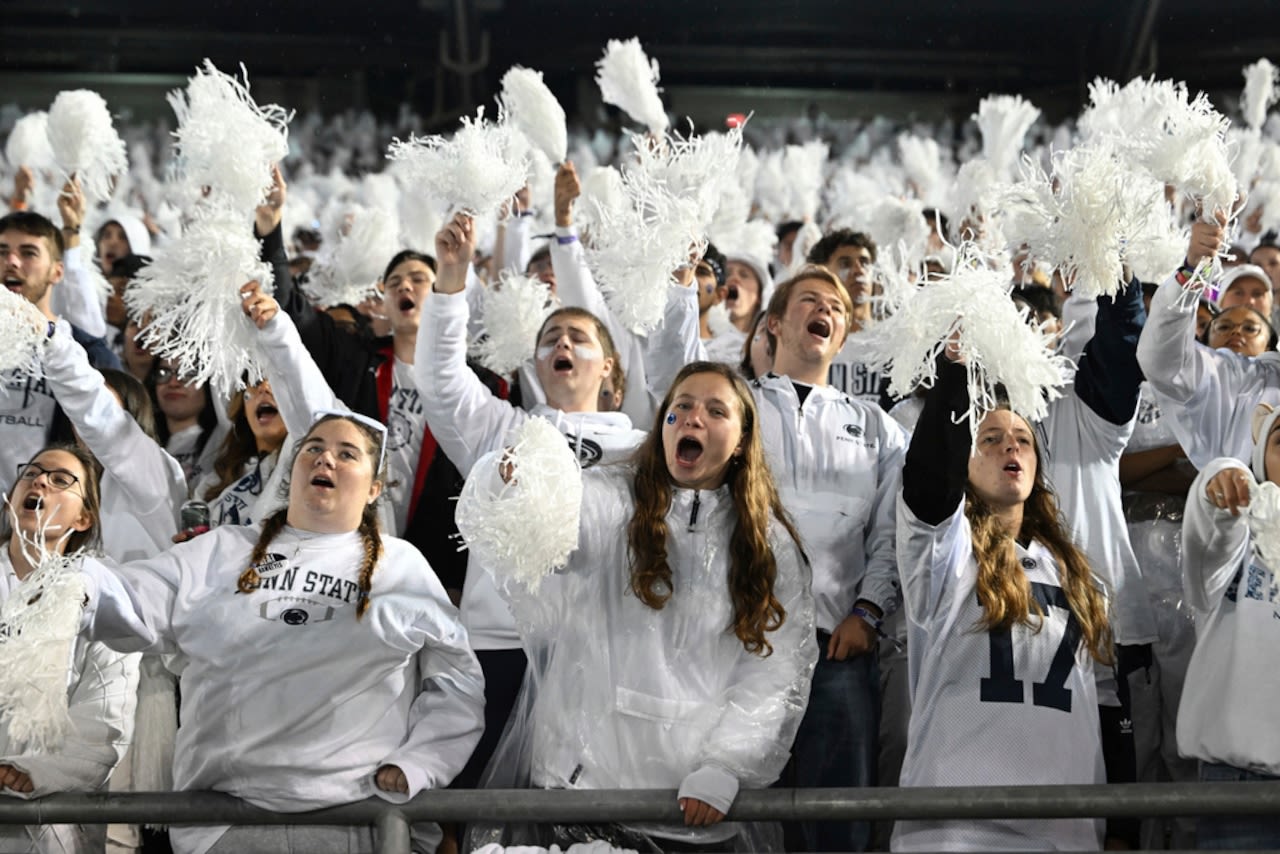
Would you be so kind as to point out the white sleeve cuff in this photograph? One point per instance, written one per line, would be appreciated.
(711, 785)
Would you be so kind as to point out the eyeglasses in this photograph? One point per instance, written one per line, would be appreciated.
(59, 479)
(377, 427)
(1226, 327)
(165, 373)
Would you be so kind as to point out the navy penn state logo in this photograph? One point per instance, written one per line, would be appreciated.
(296, 611)
(853, 430)
(251, 483)
(1028, 563)
(294, 616)
(589, 452)
(272, 564)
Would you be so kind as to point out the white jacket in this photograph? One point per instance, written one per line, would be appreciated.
(838, 466)
(632, 697)
(289, 702)
(1208, 395)
(468, 422)
(102, 692)
(1234, 595)
(142, 486)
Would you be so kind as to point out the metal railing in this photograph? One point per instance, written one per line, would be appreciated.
(1131, 800)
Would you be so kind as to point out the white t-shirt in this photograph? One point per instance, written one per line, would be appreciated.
(406, 422)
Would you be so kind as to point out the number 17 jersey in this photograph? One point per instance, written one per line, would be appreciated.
(1006, 707)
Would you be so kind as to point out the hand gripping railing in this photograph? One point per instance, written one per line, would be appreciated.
(500, 805)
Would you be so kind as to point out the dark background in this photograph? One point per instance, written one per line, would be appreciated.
(444, 57)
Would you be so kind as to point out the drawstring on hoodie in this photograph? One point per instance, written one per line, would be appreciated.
(693, 515)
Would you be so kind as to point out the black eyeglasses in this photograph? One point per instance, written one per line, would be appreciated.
(59, 479)
(165, 373)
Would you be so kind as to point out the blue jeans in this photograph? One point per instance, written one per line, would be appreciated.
(1236, 832)
(837, 745)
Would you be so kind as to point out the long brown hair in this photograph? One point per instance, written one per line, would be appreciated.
(753, 568)
(1002, 585)
(369, 529)
(237, 449)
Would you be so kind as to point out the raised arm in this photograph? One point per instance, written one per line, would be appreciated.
(1215, 531)
(465, 418)
(78, 298)
(1109, 378)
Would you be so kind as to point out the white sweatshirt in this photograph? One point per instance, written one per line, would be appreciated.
(632, 697)
(838, 466)
(992, 708)
(80, 297)
(1207, 395)
(102, 692)
(1233, 591)
(468, 422)
(289, 702)
(142, 486)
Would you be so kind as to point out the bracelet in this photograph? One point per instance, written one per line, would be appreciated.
(872, 620)
(566, 239)
(17, 204)
(71, 229)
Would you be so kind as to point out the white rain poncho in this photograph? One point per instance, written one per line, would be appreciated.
(619, 695)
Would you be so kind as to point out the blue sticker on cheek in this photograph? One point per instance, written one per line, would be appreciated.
(671, 418)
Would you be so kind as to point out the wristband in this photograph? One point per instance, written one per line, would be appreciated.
(53, 327)
(565, 240)
(871, 619)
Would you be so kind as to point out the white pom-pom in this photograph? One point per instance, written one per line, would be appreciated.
(694, 167)
(514, 310)
(922, 163)
(755, 239)
(804, 167)
(1259, 92)
(970, 307)
(529, 105)
(85, 142)
(28, 143)
(634, 249)
(901, 223)
(352, 260)
(772, 189)
(976, 191)
(530, 527)
(191, 295)
(1192, 154)
(23, 331)
(1080, 220)
(474, 171)
(225, 141)
(629, 80)
(718, 320)
(602, 190)
(807, 237)
(1004, 121)
(41, 619)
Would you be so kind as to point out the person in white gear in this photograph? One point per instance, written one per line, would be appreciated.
(1230, 582)
(837, 462)
(1208, 395)
(1009, 640)
(325, 664)
(675, 649)
(575, 356)
(55, 506)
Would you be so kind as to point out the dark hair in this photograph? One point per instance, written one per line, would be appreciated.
(1265, 244)
(129, 266)
(789, 228)
(135, 399)
(538, 255)
(716, 260)
(826, 247)
(936, 216)
(408, 255)
(1039, 299)
(208, 418)
(748, 370)
(32, 223)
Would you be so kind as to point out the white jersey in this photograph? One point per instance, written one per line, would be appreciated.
(1151, 429)
(838, 466)
(289, 701)
(1012, 707)
(237, 503)
(102, 693)
(1236, 598)
(725, 347)
(854, 377)
(1082, 464)
(468, 422)
(1208, 395)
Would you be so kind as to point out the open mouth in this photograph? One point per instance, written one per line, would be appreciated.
(33, 502)
(688, 450)
(322, 481)
(819, 327)
(562, 365)
(13, 283)
(1013, 468)
(406, 304)
(265, 413)
(732, 292)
